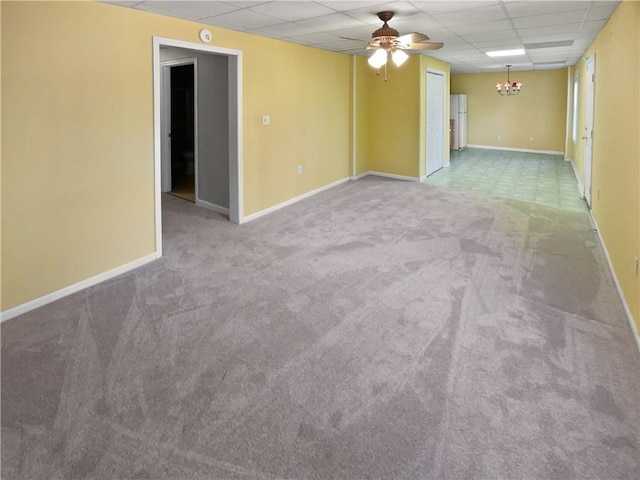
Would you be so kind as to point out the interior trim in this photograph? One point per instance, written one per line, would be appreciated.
(76, 287)
(625, 306)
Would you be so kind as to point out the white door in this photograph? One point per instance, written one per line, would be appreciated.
(588, 128)
(435, 122)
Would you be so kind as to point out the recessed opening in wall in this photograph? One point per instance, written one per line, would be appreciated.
(178, 129)
(205, 167)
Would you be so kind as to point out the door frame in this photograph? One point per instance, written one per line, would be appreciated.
(236, 205)
(165, 111)
(589, 111)
(444, 137)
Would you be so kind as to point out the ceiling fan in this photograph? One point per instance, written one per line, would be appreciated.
(388, 42)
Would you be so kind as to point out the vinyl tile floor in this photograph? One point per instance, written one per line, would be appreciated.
(532, 177)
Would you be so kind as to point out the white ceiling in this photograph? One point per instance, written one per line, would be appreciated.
(467, 28)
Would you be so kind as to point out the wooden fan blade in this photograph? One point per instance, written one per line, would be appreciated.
(367, 47)
(413, 38)
(355, 39)
(424, 46)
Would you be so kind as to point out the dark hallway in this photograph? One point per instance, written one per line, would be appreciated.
(182, 132)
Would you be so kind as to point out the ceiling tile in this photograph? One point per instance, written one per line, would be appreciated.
(368, 13)
(433, 8)
(490, 45)
(497, 26)
(547, 38)
(544, 45)
(188, 9)
(502, 36)
(332, 22)
(450, 40)
(316, 38)
(456, 49)
(244, 19)
(572, 28)
(592, 28)
(292, 10)
(422, 23)
(575, 16)
(602, 10)
(473, 16)
(246, 3)
(346, 5)
(362, 32)
(529, 8)
(284, 30)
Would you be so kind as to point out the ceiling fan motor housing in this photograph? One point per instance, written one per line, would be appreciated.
(385, 34)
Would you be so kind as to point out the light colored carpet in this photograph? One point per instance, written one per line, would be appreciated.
(382, 329)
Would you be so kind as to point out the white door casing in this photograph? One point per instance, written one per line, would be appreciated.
(587, 166)
(235, 129)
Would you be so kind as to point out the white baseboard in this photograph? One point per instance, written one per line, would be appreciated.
(76, 287)
(212, 206)
(386, 175)
(358, 177)
(526, 150)
(627, 312)
(291, 201)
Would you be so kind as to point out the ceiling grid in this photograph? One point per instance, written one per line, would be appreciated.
(554, 34)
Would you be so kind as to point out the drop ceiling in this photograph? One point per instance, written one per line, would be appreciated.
(554, 33)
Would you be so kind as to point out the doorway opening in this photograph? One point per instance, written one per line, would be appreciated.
(181, 134)
(215, 155)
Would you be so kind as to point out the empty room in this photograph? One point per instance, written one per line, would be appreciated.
(320, 239)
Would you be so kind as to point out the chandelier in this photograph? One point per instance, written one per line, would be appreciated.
(508, 88)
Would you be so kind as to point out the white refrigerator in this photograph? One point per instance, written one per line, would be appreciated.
(458, 123)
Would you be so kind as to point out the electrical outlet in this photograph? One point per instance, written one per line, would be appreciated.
(299, 169)
(531, 139)
(266, 120)
(499, 137)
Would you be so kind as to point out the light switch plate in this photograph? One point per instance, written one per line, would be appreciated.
(266, 120)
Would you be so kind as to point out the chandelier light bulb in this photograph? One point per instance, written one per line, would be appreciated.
(508, 88)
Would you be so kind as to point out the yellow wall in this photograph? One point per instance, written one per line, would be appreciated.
(616, 147)
(390, 132)
(77, 134)
(392, 113)
(306, 92)
(539, 111)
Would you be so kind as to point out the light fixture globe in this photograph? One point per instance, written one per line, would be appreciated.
(378, 59)
(399, 57)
